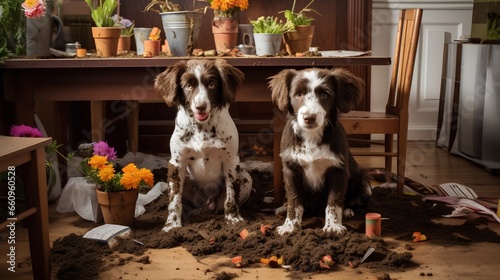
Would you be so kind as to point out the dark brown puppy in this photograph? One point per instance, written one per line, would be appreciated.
(319, 171)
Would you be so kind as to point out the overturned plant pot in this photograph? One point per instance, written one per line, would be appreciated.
(299, 40)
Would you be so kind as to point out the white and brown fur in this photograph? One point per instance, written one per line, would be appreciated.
(204, 168)
(319, 171)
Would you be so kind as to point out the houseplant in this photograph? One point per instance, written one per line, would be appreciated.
(117, 192)
(299, 37)
(127, 31)
(12, 30)
(106, 34)
(267, 32)
(181, 27)
(225, 22)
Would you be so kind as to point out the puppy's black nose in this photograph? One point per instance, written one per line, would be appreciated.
(201, 107)
(309, 118)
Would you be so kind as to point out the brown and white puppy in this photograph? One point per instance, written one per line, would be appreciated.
(204, 168)
(319, 171)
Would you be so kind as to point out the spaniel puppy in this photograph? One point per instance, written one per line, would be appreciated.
(204, 168)
(319, 171)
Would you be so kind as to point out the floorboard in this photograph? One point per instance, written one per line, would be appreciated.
(426, 164)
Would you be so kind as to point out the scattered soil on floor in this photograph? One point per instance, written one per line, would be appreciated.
(205, 233)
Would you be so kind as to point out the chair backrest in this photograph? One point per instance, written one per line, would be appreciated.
(403, 62)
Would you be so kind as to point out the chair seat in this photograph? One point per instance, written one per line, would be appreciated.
(363, 122)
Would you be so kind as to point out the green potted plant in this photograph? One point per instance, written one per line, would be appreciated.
(106, 34)
(299, 37)
(267, 33)
(181, 27)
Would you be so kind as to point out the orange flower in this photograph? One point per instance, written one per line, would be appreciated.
(147, 176)
(98, 162)
(228, 5)
(130, 181)
(107, 173)
(103, 173)
(133, 177)
(129, 168)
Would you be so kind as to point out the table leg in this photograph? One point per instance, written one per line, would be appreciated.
(38, 224)
(97, 112)
(133, 125)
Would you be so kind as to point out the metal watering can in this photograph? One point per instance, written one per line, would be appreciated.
(39, 33)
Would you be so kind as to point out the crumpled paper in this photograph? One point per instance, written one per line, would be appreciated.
(463, 206)
(78, 195)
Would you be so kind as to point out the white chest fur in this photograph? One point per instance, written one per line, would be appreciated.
(203, 148)
(314, 160)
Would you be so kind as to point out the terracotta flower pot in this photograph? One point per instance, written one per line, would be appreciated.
(299, 40)
(225, 32)
(118, 207)
(124, 44)
(151, 48)
(106, 40)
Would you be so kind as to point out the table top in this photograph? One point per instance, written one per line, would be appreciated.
(12, 149)
(11, 145)
(136, 62)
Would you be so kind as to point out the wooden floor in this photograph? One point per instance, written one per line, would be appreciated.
(426, 164)
(430, 165)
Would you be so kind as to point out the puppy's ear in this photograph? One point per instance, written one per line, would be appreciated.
(280, 85)
(350, 89)
(167, 84)
(232, 78)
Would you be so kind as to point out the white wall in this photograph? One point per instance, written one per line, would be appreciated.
(442, 20)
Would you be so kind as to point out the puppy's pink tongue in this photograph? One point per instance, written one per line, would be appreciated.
(201, 116)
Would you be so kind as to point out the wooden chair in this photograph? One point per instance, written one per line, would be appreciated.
(394, 121)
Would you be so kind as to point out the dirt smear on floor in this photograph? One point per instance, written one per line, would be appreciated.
(205, 234)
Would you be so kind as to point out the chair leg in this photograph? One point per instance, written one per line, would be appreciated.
(388, 144)
(401, 165)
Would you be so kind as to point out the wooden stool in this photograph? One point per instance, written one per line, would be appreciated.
(30, 152)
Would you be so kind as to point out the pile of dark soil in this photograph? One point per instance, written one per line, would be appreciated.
(206, 233)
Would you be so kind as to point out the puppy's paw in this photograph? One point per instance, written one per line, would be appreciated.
(287, 227)
(284, 229)
(348, 213)
(335, 228)
(233, 218)
(169, 225)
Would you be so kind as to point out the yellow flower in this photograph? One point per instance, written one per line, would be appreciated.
(31, 3)
(98, 162)
(107, 173)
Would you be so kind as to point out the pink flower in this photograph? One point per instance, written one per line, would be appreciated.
(25, 131)
(101, 148)
(34, 8)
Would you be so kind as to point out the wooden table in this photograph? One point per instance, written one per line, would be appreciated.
(30, 153)
(97, 80)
